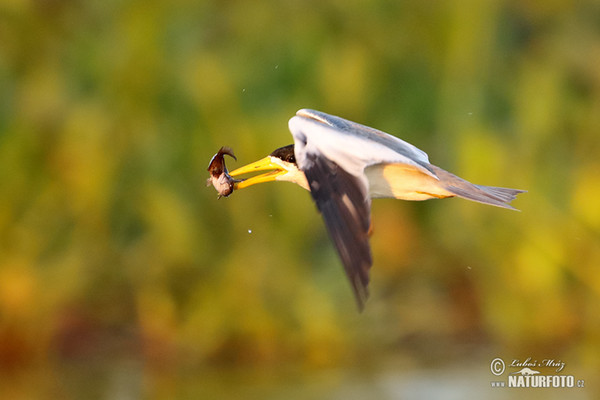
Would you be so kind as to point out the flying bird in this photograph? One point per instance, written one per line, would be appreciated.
(344, 165)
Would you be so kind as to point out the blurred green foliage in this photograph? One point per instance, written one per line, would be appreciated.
(113, 251)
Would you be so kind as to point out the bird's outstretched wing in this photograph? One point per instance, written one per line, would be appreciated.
(342, 199)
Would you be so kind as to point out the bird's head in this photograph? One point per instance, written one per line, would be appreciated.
(281, 164)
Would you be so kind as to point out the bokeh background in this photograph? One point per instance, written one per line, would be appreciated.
(123, 277)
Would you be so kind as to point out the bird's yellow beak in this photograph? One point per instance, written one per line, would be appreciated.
(264, 164)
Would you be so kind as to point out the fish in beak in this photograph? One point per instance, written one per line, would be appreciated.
(219, 176)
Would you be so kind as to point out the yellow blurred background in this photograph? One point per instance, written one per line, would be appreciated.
(122, 275)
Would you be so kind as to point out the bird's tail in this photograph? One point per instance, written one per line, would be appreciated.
(495, 196)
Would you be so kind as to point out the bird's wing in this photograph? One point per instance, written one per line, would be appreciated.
(333, 154)
(343, 201)
(340, 189)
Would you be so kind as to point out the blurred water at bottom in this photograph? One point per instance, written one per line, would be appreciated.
(129, 379)
(470, 382)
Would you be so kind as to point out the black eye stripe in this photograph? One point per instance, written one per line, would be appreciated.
(285, 153)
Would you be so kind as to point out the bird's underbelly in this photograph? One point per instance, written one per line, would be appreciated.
(403, 181)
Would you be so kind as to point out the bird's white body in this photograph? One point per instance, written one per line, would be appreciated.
(386, 165)
(354, 149)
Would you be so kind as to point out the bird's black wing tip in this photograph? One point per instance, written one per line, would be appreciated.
(345, 207)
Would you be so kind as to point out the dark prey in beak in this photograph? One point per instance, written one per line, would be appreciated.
(219, 176)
